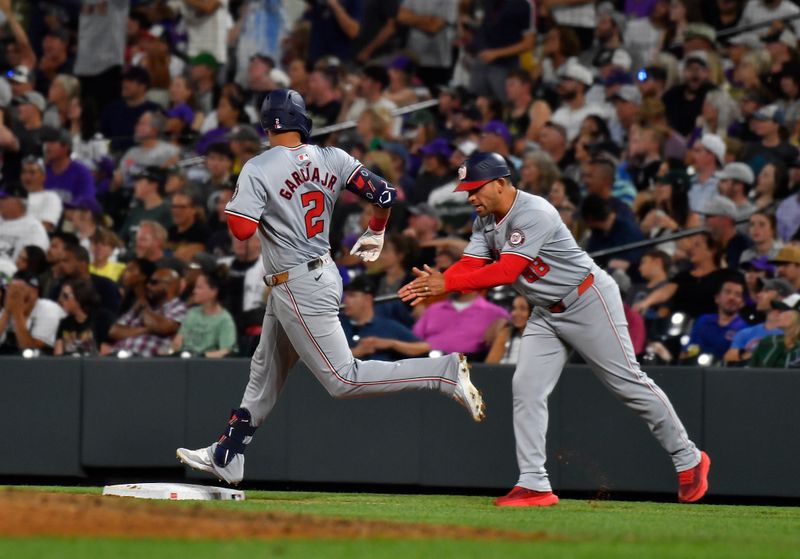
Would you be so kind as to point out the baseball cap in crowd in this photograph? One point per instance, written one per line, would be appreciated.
(260, 56)
(361, 284)
(676, 179)
(86, 203)
(151, 173)
(423, 209)
(205, 59)
(20, 74)
(770, 112)
(618, 77)
(715, 145)
(29, 278)
(8, 191)
(783, 287)
(137, 74)
(698, 56)
(498, 127)
(439, 146)
(244, 133)
(698, 30)
(720, 206)
(31, 98)
(737, 171)
(792, 302)
(182, 112)
(790, 254)
(53, 134)
(402, 63)
(574, 70)
(759, 264)
(629, 93)
(471, 112)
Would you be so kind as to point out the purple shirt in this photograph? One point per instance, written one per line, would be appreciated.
(788, 217)
(212, 136)
(639, 8)
(450, 330)
(75, 183)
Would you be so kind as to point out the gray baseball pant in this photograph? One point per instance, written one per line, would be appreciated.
(595, 327)
(301, 321)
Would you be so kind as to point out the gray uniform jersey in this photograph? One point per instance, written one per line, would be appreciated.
(534, 230)
(290, 192)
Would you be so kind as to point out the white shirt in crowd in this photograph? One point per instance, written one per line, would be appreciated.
(42, 322)
(45, 206)
(15, 234)
(207, 33)
(571, 119)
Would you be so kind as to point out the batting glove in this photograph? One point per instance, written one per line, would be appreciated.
(368, 246)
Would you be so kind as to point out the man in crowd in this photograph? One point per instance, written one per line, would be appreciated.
(26, 320)
(712, 333)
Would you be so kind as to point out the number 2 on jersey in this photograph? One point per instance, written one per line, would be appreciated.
(314, 200)
(536, 270)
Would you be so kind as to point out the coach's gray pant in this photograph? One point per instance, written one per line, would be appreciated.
(595, 327)
(301, 321)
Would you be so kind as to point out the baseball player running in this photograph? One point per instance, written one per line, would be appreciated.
(519, 239)
(286, 196)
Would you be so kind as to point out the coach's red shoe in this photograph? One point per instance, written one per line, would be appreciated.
(523, 497)
(693, 483)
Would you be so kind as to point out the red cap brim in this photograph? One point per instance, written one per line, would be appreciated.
(471, 185)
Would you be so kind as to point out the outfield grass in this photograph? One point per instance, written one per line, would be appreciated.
(590, 529)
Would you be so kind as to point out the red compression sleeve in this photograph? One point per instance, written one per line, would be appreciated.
(502, 272)
(241, 227)
(465, 265)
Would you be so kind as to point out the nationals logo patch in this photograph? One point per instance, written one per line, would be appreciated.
(462, 172)
(516, 238)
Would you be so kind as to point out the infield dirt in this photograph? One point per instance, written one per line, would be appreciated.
(33, 513)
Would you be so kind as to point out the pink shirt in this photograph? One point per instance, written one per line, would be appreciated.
(449, 330)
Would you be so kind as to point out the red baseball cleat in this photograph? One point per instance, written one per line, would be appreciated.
(693, 483)
(523, 497)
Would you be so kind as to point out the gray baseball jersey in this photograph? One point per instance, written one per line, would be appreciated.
(594, 325)
(534, 230)
(290, 193)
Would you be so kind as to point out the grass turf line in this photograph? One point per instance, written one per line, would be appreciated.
(584, 528)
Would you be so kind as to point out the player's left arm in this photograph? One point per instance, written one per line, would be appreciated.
(377, 191)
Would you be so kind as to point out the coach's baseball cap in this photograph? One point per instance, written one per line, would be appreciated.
(362, 284)
(480, 168)
(792, 302)
(790, 254)
(737, 171)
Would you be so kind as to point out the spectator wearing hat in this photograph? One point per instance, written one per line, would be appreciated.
(203, 73)
(431, 33)
(43, 205)
(74, 264)
(712, 333)
(118, 120)
(208, 329)
(148, 191)
(735, 181)
(27, 321)
(783, 350)
(104, 246)
(150, 150)
(770, 147)
(219, 166)
(181, 117)
(435, 170)
(506, 31)
(651, 81)
(20, 78)
(401, 90)
(334, 26)
(574, 80)
(627, 100)
(746, 340)
(496, 137)
(761, 229)
(787, 263)
(17, 228)
(30, 108)
(684, 101)
(720, 214)
(371, 335)
(189, 231)
(708, 155)
(147, 329)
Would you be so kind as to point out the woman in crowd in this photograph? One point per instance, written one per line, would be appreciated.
(32, 259)
(538, 173)
(771, 185)
(505, 348)
(85, 328)
(669, 212)
(208, 328)
(762, 231)
(64, 92)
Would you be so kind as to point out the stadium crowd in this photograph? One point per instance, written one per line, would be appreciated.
(124, 123)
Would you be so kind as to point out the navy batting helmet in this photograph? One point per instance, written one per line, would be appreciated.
(284, 109)
(481, 167)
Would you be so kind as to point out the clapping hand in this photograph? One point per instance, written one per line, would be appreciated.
(428, 283)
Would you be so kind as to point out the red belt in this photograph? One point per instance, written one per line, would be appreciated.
(572, 296)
